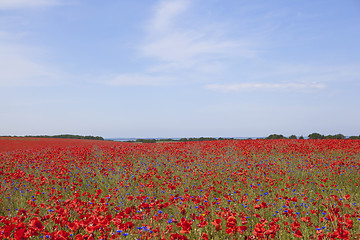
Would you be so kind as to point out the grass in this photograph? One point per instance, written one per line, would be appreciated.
(145, 191)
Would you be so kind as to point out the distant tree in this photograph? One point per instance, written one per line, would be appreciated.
(316, 136)
(292, 137)
(329, 137)
(301, 137)
(354, 137)
(145, 140)
(337, 136)
(275, 136)
(166, 140)
(68, 136)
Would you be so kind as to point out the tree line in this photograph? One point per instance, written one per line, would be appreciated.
(192, 139)
(313, 136)
(67, 136)
(272, 136)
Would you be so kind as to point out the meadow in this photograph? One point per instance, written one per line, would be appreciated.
(229, 189)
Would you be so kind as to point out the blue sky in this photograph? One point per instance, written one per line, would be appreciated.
(179, 68)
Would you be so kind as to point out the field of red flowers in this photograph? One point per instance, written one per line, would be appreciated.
(239, 189)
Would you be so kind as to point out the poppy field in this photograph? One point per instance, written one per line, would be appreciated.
(229, 189)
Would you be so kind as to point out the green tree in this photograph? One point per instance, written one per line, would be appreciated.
(337, 136)
(316, 136)
(275, 136)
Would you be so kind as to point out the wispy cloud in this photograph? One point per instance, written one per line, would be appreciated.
(165, 14)
(177, 46)
(12, 4)
(18, 67)
(22, 64)
(190, 45)
(293, 77)
(172, 46)
(264, 86)
(135, 79)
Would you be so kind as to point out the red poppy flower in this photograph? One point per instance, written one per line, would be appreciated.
(298, 233)
(217, 223)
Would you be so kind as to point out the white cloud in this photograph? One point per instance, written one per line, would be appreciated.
(165, 14)
(138, 80)
(264, 86)
(177, 46)
(304, 77)
(18, 67)
(186, 45)
(20, 63)
(312, 72)
(11, 4)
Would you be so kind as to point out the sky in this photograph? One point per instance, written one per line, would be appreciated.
(179, 68)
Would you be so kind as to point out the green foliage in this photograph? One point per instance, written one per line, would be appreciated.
(354, 137)
(146, 140)
(316, 136)
(292, 137)
(275, 136)
(69, 136)
(165, 140)
(202, 139)
(337, 136)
